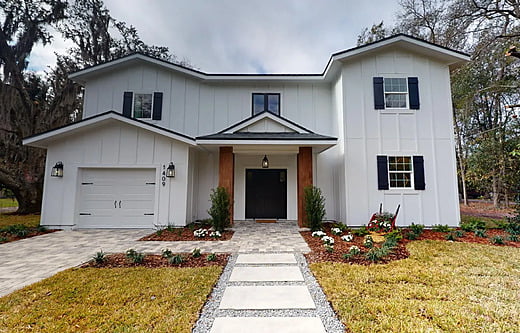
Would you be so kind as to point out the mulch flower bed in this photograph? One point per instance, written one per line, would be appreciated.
(319, 253)
(6, 237)
(184, 234)
(468, 237)
(119, 260)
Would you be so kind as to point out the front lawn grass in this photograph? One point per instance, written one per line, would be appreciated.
(110, 300)
(30, 221)
(7, 202)
(442, 286)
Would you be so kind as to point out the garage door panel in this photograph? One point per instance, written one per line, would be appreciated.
(117, 198)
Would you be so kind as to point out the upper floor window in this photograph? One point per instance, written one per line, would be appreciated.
(400, 172)
(266, 102)
(396, 93)
(143, 106)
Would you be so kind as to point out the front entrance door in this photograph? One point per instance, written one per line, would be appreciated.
(266, 193)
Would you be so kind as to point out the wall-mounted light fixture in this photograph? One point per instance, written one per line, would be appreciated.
(57, 169)
(265, 162)
(170, 171)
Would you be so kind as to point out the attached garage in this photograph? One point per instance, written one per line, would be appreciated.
(116, 198)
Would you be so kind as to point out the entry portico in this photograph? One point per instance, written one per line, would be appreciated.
(265, 163)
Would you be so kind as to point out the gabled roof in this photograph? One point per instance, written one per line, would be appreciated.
(43, 139)
(292, 126)
(448, 56)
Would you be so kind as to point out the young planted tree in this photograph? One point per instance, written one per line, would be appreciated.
(314, 207)
(220, 208)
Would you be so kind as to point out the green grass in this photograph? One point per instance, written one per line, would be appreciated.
(110, 300)
(441, 287)
(30, 221)
(490, 222)
(4, 202)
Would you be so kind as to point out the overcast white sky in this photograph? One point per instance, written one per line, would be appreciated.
(246, 36)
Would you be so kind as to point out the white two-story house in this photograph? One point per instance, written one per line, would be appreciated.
(375, 127)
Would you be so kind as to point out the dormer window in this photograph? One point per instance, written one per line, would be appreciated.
(142, 106)
(266, 102)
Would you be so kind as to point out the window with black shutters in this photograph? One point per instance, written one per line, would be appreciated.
(396, 93)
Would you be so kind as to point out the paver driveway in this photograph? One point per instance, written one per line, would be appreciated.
(30, 260)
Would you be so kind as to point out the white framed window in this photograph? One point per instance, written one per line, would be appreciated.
(400, 171)
(396, 93)
(142, 106)
(269, 102)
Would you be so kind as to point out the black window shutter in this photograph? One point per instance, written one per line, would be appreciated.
(418, 172)
(382, 173)
(128, 97)
(379, 95)
(157, 106)
(413, 92)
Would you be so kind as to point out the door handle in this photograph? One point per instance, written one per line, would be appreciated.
(115, 203)
(119, 203)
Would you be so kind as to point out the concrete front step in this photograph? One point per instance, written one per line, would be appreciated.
(266, 297)
(266, 258)
(267, 325)
(264, 274)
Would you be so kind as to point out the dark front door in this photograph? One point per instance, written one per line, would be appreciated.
(266, 193)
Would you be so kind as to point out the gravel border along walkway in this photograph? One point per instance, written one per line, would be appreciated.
(323, 309)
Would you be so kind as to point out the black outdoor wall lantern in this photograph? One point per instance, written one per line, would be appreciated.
(57, 169)
(265, 162)
(170, 171)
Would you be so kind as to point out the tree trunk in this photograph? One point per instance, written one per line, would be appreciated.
(29, 198)
(496, 193)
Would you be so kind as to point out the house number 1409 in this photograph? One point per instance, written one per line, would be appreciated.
(163, 175)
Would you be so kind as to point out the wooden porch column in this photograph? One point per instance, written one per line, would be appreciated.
(226, 171)
(304, 180)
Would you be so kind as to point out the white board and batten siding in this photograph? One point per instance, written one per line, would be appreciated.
(427, 132)
(121, 161)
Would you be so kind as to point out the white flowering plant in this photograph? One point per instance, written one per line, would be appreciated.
(318, 234)
(200, 232)
(353, 250)
(327, 240)
(347, 238)
(336, 231)
(368, 241)
(215, 234)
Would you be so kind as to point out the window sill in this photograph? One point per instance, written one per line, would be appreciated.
(399, 191)
(397, 111)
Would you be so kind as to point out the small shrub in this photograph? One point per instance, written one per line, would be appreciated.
(480, 233)
(41, 228)
(417, 229)
(376, 254)
(200, 233)
(473, 224)
(512, 238)
(498, 240)
(343, 227)
(99, 258)
(314, 204)
(318, 233)
(219, 211)
(459, 233)
(159, 232)
(170, 227)
(3, 240)
(368, 242)
(450, 236)
(211, 257)
(329, 248)
(360, 232)
(411, 235)
(513, 226)
(134, 256)
(215, 234)
(389, 243)
(395, 235)
(176, 259)
(441, 228)
(196, 253)
(167, 253)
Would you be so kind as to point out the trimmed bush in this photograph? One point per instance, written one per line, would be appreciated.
(219, 211)
(314, 207)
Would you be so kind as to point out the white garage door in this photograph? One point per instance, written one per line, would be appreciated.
(117, 198)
